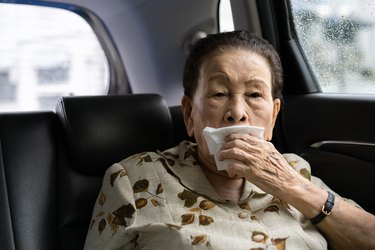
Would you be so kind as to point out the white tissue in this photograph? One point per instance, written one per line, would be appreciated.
(215, 139)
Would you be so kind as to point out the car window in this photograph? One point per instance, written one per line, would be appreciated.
(225, 16)
(338, 40)
(45, 53)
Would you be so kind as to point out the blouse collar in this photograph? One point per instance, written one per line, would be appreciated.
(191, 175)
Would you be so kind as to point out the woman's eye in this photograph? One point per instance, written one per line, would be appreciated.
(219, 94)
(254, 94)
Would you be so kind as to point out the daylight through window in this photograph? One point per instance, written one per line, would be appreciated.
(338, 39)
(46, 53)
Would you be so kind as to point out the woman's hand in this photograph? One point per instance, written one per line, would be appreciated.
(260, 163)
(348, 227)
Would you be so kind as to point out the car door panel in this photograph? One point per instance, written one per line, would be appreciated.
(334, 133)
(349, 176)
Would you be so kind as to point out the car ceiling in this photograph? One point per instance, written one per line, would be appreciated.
(152, 36)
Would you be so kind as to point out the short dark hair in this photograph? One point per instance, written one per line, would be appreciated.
(218, 43)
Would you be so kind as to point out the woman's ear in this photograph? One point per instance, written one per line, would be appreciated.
(186, 110)
(276, 109)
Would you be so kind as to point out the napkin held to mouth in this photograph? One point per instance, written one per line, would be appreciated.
(215, 138)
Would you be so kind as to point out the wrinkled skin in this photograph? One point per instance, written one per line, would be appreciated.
(234, 88)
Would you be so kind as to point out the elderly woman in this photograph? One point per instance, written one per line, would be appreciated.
(178, 199)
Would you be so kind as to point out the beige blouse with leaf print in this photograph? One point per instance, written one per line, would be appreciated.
(163, 200)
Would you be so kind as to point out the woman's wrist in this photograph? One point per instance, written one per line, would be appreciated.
(306, 197)
(326, 209)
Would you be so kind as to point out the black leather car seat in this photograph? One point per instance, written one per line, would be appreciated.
(51, 165)
(99, 131)
(28, 160)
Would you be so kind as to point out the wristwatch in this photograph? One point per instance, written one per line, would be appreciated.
(326, 209)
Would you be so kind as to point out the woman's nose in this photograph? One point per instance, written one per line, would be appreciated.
(236, 112)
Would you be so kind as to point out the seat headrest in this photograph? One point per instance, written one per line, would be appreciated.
(102, 130)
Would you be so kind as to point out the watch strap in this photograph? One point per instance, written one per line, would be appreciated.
(326, 209)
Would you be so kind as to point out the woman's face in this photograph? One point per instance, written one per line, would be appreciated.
(234, 88)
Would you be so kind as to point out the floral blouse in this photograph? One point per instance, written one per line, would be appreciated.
(162, 200)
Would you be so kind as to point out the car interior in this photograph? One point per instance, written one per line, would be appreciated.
(52, 161)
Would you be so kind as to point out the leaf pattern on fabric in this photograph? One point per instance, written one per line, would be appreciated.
(167, 157)
(198, 212)
(143, 157)
(189, 197)
(155, 203)
(141, 186)
(125, 211)
(195, 210)
(282, 203)
(102, 199)
(205, 220)
(205, 204)
(245, 206)
(293, 163)
(188, 153)
(101, 213)
(102, 225)
(147, 158)
(141, 202)
(159, 189)
(272, 208)
(199, 239)
(187, 218)
(305, 173)
(114, 175)
(254, 217)
(112, 223)
(280, 243)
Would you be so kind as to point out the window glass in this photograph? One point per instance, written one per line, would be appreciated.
(338, 39)
(46, 53)
(225, 16)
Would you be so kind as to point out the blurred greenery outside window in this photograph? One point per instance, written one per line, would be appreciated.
(338, 40)
(45, 53)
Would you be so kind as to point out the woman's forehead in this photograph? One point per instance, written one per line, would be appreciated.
(235, 62)
(221, 57)
(240, 66)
